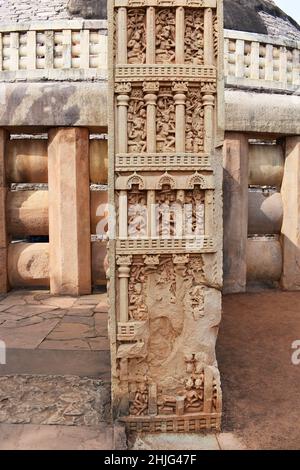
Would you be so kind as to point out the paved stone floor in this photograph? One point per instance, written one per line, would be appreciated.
(37, 320)
(260, 383)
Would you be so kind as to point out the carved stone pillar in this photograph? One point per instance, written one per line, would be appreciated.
(124, 263)
(122, 36)
(150, 36)
(123, 214)
(208, 103)
(208, 37)
(151, 214)
(180, 32)
(180, 90)
(151, 88)
(123, 91)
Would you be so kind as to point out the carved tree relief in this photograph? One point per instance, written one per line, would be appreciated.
(194, 37)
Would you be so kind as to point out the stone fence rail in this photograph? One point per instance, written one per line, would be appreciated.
(77, 50)
(258, 61)
(60, 50)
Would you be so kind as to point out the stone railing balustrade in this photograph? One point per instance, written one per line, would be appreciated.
(77, 50)
(55, 50)
(258, 61)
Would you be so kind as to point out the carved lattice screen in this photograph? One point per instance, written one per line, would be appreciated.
(165, 115)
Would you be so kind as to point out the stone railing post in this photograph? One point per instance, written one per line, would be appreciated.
(180, 90)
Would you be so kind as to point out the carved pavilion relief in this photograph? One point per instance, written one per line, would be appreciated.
(165, 274)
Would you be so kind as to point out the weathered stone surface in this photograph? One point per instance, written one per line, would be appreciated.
(266, 165)
(255, 112)
(70, 401)
(27, 336)
(56, 437)
(235, 185)
(47, 105)
(27, 161)
(291, 210)
(165, 299)
(69, 212)
(88, 8)
(264, 260)
(265, 212)
(28, 265)
(27, 213)
(175, 442)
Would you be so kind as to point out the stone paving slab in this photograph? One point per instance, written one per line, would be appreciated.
(198, 442)
(38, 320)
(31, 437)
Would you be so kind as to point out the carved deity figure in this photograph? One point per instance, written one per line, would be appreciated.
(194, 122)
(138, 310)
(137, 214)
(165, 123)
(165, 37)
(136, 36)
(137, 122)
(139, 406)
(194, 37)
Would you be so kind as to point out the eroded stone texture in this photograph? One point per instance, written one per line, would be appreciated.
(71, 401)
(165, 271)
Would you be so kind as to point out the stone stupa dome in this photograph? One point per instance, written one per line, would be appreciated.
(261, 17)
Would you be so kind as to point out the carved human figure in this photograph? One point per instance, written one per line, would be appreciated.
(165, 124)
(136, 36)
(194, 37)
(194, 121)
(192, 401)
(165, 37)
(139, 405)
(137, 214)
(137, 122)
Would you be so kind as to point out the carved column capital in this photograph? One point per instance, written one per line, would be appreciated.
(124, 260)
(181, 259)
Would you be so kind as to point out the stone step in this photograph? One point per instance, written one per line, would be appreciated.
(44, 334)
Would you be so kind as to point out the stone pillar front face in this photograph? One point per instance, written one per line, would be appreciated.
(235, 190)
(69, 211)
(165, 276)
(3, 227)
(290, 192)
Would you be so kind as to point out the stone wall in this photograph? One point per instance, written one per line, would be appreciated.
(34, 10)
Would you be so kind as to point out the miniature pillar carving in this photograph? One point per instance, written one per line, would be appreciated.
(151, 214)
(180, 33)
(122, 104)
(150, 99)
(123, 214)
(123, 274)
(180, 90)
(208, 103)
(150, 35)
(208, 37)
(122, 36)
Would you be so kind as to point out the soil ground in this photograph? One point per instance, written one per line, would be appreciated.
(260, 383)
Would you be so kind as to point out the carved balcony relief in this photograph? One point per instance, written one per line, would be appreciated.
(166, 263)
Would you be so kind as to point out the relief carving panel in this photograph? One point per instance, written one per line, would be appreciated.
(166, 263)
